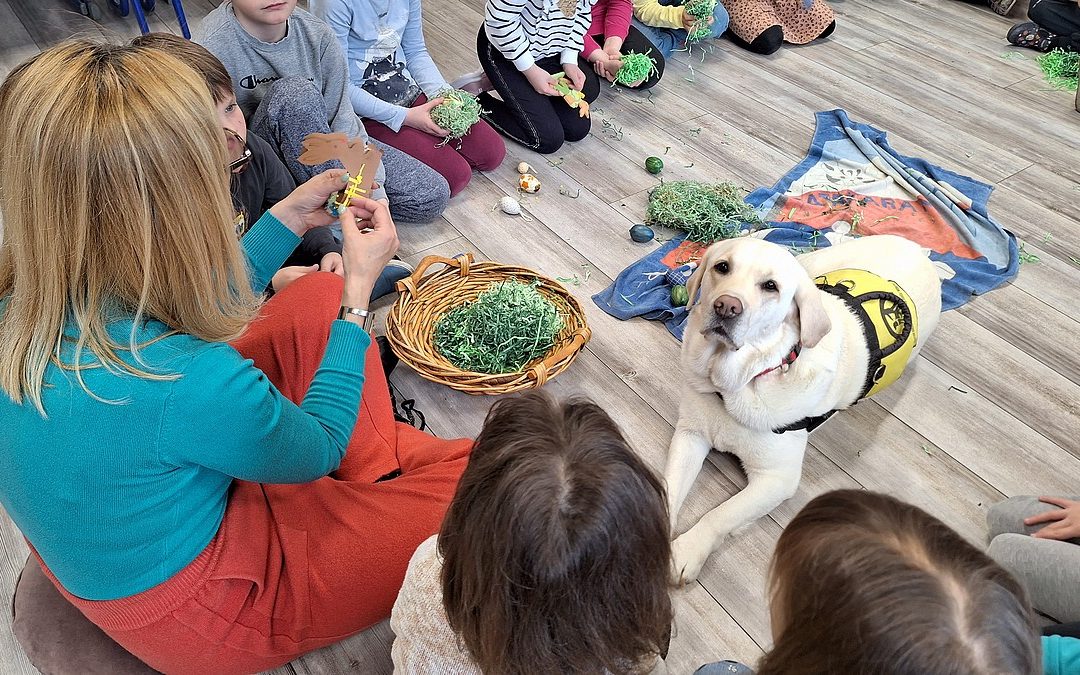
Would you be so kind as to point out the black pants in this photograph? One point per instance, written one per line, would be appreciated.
(1061, 17)
(637, 42)
(541, 123)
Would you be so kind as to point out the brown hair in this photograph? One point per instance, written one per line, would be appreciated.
(197, 57)
(114, 193)
(556, 552)
(864, 583)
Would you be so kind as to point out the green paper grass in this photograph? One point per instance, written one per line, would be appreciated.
(506, 327)
(635, 68)
(458, 112)
(700, 10)
(706, 211)
(1060, 68)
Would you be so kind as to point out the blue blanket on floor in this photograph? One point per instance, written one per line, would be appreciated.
(851, 184)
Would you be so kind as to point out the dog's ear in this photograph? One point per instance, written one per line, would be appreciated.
(814, 323)
(694, 282)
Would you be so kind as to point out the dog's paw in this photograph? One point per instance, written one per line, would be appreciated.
(688, 556)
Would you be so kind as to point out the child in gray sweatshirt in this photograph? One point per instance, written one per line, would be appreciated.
(291, 79)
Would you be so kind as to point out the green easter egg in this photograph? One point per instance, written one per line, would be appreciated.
(654, 165)
(679, 296)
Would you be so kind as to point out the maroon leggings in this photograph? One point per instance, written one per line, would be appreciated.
(480, 149)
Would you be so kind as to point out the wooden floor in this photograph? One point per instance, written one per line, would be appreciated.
(991, 409)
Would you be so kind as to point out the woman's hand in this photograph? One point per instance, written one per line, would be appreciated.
(370, 240)
(332, 262)
(286, 275)
(575, 75)
(304, 208)
(540, 80)
(419, 117)
(1065, 522)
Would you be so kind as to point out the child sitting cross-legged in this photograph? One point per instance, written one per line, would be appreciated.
(394, 85)
(292, 80)
(553, 557)
(667, 24)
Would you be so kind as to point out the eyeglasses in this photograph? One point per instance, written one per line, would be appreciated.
(238, 150)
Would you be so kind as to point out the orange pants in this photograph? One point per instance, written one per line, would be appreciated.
(297, 567)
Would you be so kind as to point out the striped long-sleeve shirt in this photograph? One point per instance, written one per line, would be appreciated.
(527, 30)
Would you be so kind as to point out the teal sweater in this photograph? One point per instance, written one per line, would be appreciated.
(1061, 655)
(119, 495)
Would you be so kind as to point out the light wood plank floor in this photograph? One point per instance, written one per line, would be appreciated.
(991, 408)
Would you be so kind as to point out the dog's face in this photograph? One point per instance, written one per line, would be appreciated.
(749, 289)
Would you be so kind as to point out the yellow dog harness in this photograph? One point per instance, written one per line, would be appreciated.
(890, 326)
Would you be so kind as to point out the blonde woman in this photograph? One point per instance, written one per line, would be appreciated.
(184, 462)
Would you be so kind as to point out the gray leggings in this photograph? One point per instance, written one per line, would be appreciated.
(1048, 569)
(293, 108)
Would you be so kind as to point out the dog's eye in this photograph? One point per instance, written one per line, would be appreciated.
(769, 285)
(722, 267)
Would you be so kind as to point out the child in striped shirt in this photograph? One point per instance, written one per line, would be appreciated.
(521, 45)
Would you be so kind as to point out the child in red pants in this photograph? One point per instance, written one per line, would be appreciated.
(296, 567)
(394, 85)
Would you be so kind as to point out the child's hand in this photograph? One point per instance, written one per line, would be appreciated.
(303, 208)
(575, 75)
(540, 80)
(286, 275)
(1065, 522)
(332, 262)
(689, 21)
(419, 117)
(613, 47)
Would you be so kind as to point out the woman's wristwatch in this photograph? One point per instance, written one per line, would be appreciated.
(365, 315)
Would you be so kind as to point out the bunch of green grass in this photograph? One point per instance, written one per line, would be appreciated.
(507, 326)
(635, 68)
(706, 211)
(1060, 68)
(701, 10)
(458, 112)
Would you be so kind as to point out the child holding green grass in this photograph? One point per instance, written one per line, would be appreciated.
(394, 85)
(667, 24)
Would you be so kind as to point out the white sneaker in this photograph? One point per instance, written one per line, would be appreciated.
(474, 83)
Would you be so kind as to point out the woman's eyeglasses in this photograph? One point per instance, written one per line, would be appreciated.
(239, 152)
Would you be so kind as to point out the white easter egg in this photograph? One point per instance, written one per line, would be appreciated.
(510, 206)
(523, 167)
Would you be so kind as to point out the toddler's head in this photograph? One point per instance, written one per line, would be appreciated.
(556, 552)
(864, 583)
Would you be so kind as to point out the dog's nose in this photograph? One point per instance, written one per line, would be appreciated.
(727, 306)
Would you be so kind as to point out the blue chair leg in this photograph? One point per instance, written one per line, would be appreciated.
(140, 16)
(178, 5)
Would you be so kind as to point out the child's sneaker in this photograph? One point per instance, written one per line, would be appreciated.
(474, 83)
(1002, 7)
(395, 271)
(1030, 35)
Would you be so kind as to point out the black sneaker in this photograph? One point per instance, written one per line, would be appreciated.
(1029, 34)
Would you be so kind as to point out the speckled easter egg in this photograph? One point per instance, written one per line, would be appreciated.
(510, 206)
(529, 183)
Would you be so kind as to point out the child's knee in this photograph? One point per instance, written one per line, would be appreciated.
(294, 93)
(578, 130)
(720, 20)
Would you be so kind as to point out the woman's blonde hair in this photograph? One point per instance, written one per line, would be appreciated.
(114, 196)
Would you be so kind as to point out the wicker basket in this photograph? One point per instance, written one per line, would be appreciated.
(424, 298)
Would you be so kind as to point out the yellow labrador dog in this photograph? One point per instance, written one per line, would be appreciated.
(773, 346)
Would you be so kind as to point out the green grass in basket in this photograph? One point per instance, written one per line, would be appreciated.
(507, 326)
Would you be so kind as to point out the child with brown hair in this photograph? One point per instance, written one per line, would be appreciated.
(553, 557)
(861, 582)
